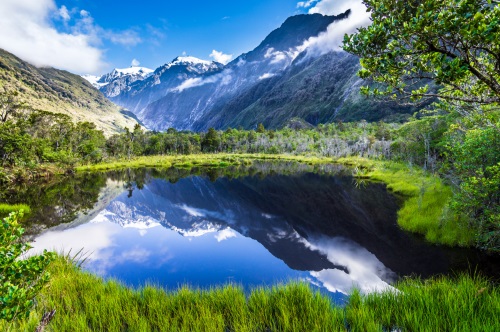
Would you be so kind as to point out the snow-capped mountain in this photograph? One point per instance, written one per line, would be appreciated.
(113, 83)
(277, 81)
(134, 72)
(119, 73)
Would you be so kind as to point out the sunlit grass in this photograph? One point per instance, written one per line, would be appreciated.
(84, 302)
(5, 209)
(426, 199)
(206, 160)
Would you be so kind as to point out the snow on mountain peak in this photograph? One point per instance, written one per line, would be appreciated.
(142, 71)
(190, 60)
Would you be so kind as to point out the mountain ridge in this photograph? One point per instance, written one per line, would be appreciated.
(277, 81)
(59, 91)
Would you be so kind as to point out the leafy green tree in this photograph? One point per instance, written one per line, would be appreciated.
(211, 141)
(454, 43)
(261, 129)
(476, 163)
(20, 279)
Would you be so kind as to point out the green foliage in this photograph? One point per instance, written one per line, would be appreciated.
(442, 304)
(6, 209)
(261, 129)
(476, 163)
(424, 210)
(21, 279)
(454, 43)
(85, 302)
(211, 141)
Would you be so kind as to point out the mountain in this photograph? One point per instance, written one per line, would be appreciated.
(135, 91)
(278, 81)
(59, 91)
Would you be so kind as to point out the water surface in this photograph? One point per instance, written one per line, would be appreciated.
(253, 227)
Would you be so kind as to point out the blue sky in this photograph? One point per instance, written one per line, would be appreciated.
(94, 36)
(166, 29)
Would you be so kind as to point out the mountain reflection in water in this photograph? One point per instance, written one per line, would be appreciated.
(249, 230)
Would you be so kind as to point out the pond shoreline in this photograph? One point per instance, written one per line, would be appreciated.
(85, 302)
(425, 196)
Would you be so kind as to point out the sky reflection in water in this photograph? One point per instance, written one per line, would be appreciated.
(204, 233)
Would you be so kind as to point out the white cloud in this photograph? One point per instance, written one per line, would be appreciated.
(135, 63)
(64, 13)
(225, 234)
(263, 77)
(86, 25)
(221, 57)
(306, 4)
(224, 77)
(331, 40)
(27, 31)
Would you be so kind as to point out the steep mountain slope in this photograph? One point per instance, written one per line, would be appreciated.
(277, 81)
(137, 91)
(188, 108)
(59, 91)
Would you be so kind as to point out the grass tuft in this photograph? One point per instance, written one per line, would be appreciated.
(85, 302)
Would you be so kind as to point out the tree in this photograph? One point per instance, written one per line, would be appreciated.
(476, 163)
(20, 279)
(454, 43)
(11, 106)
(211, 141)
(261, 129)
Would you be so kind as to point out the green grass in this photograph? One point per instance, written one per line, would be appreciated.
(425, 207)
(199, 160)
(84, 302)
(463, 303)
(5, 209)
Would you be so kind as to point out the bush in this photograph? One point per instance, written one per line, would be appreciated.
(20, 279)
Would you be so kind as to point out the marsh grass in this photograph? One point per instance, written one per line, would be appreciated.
(84, 302)
(425, 200)
(5, 209)
(202, 160)
(464, 303)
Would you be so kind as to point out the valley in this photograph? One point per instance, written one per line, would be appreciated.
(340, 174)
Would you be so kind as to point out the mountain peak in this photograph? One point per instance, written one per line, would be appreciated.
(190, 60)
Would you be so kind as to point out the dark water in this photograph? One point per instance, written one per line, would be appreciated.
(254, 227)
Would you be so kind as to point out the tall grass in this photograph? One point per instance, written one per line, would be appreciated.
(84, 302)
(463, 304)
(5, 209)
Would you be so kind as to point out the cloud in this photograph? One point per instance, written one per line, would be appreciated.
(263, 77)
(332, 39)
(64, 13)
(224, 77)
(135, 63)
(28, 31)
(225, 234)
(86, 25)
(221, 57)
(306, 4)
